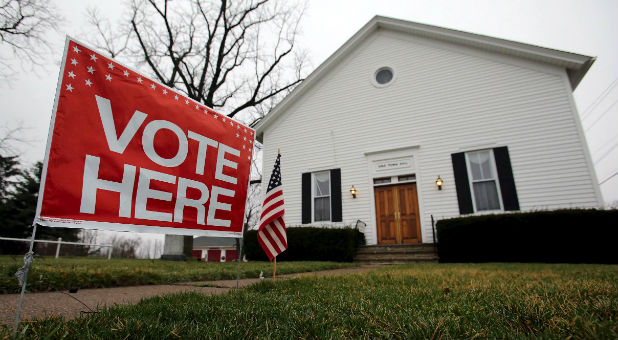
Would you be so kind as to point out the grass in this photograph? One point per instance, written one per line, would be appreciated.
(437, 301)
(49, 274)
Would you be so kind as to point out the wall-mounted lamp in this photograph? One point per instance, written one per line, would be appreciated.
(353, 191)
(439, 182)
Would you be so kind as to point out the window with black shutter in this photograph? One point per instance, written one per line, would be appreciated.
(507, 182)
(321, 196)
(484, 181)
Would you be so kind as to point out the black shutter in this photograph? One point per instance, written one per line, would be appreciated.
(505, 177)
(306, 199)
(335, 195)
(462, 185)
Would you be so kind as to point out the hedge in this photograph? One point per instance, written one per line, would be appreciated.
(310, 244)
(559, 236)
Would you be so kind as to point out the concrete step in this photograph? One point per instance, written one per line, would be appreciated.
(396, 261)
(397, 249)
(400, 256)
(396, 253)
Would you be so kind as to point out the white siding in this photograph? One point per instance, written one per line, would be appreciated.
(444, 99)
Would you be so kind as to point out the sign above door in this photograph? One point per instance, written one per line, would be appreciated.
(392, 164)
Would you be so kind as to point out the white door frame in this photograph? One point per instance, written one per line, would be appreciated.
(393, 163)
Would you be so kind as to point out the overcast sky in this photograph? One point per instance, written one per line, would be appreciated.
(585, 27)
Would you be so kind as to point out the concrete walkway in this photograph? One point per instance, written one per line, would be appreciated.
(38, 305)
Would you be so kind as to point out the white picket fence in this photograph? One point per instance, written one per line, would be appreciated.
(60, 243)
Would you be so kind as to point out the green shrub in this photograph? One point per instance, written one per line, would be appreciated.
(559, 236)
(310, 244)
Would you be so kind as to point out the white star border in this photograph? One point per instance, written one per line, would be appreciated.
(80, 56)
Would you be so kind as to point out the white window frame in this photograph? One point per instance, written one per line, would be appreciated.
(471, 181)
(374, 80)
(314, 196)
(395, 180)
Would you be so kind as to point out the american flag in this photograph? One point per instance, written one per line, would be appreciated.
(271, 234)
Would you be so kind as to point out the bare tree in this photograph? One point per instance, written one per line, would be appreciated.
(235, 56)
(253, 206)
(23, 28)
(124, 247)
(11, 137)
(91, 237)
(150, 249)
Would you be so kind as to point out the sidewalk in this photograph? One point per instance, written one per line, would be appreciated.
(38, 305)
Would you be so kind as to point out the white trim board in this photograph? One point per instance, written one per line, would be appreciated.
(82, 224)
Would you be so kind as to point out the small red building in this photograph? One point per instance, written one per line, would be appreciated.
(215, 249)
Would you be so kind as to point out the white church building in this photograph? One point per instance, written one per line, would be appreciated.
(406, 121)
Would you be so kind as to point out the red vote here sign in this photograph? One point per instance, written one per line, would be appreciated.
(129, 154)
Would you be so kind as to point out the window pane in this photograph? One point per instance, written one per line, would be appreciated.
(321, 210)
(486, 168)
(486, 196)
(475, 169)
(384, 76)
(480, 166)
(381, 180)
(321, 183)
(407, 178)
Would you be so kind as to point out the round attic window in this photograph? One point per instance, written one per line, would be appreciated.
(383, 76)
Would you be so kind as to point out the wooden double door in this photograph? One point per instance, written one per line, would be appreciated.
(397, 217)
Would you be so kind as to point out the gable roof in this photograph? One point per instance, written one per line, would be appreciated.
(576, 65)
(214, 242)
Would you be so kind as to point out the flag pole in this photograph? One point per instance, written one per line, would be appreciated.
(275, 260)
(275, 269)
(271, 220)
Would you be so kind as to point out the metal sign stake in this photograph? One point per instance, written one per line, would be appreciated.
(239, 240)
(22, 274)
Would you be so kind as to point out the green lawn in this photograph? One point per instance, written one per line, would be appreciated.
(49, 274)
(437, 301)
